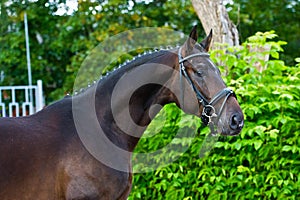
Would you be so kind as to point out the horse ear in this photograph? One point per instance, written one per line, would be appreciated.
(206, 42)
(191, 41)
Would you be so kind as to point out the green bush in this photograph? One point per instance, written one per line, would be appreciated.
(263, 162)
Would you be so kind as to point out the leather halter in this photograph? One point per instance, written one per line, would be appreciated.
(209, 110)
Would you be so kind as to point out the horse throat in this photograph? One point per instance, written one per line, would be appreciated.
(124, 110)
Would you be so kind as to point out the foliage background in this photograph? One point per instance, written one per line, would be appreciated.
(262, 163)
(282, 16)
(59, 43)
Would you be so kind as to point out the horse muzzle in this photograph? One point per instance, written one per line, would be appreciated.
(233, 125)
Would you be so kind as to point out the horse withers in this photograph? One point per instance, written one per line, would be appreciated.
(47, 155)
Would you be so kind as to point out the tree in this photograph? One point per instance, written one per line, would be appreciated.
(264, 15)
(65, 40)
(47, 59)
(213, 15)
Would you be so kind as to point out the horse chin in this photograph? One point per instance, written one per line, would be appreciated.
(230, 133)
(227, 131)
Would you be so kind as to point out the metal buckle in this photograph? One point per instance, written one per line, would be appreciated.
(209, 111)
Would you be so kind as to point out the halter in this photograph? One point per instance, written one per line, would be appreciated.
(209, 110)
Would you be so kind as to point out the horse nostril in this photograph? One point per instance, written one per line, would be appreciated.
(236, 122)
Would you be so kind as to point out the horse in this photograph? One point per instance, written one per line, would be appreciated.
(53, 153)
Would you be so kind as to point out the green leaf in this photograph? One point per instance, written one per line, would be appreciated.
(274, 133)
(287, 148)
(257, 144)
(238, 146)
(260, 130)
(287, 96)
(275, 54)
(242, 168)
(219, 145)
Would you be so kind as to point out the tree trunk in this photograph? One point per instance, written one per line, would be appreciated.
(213, 15)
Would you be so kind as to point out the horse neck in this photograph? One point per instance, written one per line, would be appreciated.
(130, 98)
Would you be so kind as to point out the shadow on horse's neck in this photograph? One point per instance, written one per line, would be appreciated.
(128, 99)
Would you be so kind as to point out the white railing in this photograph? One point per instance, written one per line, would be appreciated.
(18, 101)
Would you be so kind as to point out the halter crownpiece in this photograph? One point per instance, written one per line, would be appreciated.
(209, 110)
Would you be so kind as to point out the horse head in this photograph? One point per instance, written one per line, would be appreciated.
(217, 104)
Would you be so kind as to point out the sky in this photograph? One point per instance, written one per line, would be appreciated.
(71, 5)
(68, 8)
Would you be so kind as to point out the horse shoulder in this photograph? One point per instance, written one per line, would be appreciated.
(81, 176)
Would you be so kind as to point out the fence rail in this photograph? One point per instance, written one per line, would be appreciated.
(16, 100)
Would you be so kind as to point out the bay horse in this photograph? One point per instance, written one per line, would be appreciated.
(47, 155)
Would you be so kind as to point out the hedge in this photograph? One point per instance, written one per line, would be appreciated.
(263, 162)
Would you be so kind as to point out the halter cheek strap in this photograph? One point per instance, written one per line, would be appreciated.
(209, 110)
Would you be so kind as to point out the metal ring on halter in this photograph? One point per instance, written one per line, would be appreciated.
(212, 112)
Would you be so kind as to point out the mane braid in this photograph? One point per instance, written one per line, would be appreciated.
(128, 64)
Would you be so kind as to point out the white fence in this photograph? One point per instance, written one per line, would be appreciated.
(15, 101)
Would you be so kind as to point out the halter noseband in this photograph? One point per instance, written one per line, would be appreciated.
(209, 110)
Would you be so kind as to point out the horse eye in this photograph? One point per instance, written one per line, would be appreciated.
(199, 73)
